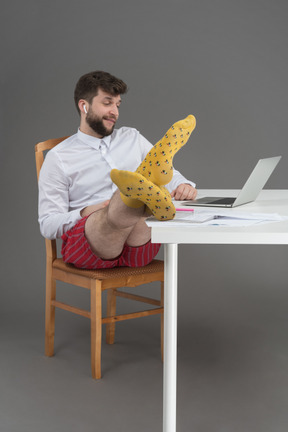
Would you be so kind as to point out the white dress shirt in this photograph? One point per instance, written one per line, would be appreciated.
(76, 174)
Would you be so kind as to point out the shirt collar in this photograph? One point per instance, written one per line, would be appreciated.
(93, 141)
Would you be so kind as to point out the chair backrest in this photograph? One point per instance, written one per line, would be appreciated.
(40, 148)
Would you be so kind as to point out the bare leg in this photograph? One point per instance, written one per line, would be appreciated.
(108, 229)
(123, 221)
(140, 234)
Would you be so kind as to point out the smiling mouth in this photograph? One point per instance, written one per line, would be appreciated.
(110, 120)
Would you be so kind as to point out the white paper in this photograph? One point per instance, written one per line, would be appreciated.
(222, 217)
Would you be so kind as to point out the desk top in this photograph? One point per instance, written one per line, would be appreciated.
(269, 201)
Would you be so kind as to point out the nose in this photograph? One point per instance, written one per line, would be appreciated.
(115, 110)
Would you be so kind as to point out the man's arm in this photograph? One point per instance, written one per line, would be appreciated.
(54, 214)
(181, 188)
(184, 191)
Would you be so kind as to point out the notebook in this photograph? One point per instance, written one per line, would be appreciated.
(250, 190)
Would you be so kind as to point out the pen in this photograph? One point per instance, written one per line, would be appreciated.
(184, 209)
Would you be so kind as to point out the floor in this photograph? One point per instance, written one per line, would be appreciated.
(232, 365)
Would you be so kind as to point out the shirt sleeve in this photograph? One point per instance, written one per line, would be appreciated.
(53, 205)
(177, 178)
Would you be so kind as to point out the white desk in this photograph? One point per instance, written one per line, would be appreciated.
(276, 233)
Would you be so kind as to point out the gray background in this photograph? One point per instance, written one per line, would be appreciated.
(225, 61)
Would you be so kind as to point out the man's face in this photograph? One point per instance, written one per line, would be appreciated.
(103, 113)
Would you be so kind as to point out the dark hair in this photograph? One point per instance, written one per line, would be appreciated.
(88, 85)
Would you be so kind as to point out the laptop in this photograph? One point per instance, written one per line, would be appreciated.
(250, 191)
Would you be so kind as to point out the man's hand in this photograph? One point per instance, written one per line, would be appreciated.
(184, 192)
(86, 211)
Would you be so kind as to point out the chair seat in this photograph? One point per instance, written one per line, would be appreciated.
(154, 267)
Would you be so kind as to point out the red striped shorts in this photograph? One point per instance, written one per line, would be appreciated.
(76, 250)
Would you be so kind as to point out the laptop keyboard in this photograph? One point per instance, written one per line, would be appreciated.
(224, 201)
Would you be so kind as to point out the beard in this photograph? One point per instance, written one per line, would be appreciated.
(96, 123)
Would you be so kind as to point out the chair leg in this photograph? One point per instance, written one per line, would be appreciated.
(96, 328)
(49, 314)
(162, 322)
(111, 311)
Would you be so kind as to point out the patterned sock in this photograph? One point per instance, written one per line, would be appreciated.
(157, 165)
(137, 189)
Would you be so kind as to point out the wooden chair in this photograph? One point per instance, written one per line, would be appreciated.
(96, 281)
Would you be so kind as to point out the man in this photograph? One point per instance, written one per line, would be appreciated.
(100, 226)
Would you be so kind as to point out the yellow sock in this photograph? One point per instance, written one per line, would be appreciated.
(157, 165)
(137, 189)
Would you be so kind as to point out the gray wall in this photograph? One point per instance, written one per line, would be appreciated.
(225, 61)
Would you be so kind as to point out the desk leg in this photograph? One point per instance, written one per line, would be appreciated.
(170, 338)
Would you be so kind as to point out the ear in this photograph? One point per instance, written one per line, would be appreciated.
(81, 105)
